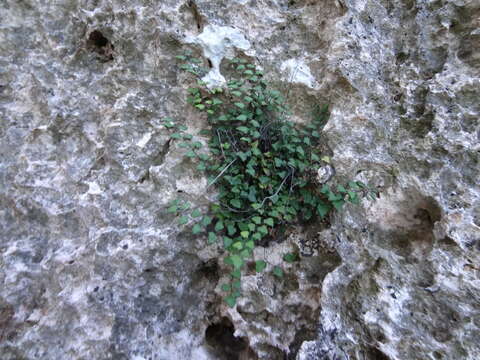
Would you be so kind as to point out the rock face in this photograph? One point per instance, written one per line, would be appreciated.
(93, 266)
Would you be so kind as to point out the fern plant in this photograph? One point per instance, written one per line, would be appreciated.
(262, 165)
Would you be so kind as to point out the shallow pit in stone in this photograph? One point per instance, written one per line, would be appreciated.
(99, 44)
(220, 336)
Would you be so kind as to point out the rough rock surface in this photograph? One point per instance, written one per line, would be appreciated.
(93, 267)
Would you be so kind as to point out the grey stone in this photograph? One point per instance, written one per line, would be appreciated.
(93, 267)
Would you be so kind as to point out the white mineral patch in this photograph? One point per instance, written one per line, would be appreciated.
(191, 185)
(217, 42)
(144, 140)
(296, 71)
(93, 188)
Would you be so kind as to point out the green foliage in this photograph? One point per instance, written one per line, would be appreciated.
(263, 167)
(277, 271)
(290, 257)
(260, 265)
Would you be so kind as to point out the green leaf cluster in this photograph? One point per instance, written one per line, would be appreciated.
(263, 167)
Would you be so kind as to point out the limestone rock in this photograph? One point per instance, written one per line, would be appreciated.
(93, 266)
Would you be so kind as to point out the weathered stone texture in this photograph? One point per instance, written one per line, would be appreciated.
(93, 267)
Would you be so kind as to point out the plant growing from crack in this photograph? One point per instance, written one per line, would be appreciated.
(262, 165)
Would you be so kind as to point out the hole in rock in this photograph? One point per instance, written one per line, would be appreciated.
(376, 354)
(220, 336)
(99, 44)
(97, 39)
(401, 57)
(417, 216)
(426, 216)
(209, 270)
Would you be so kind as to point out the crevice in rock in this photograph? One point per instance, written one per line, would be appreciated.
(192, 5)
(220, 336)
(304, 334)
(160, 157)
(447, 242)
(144, 177)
